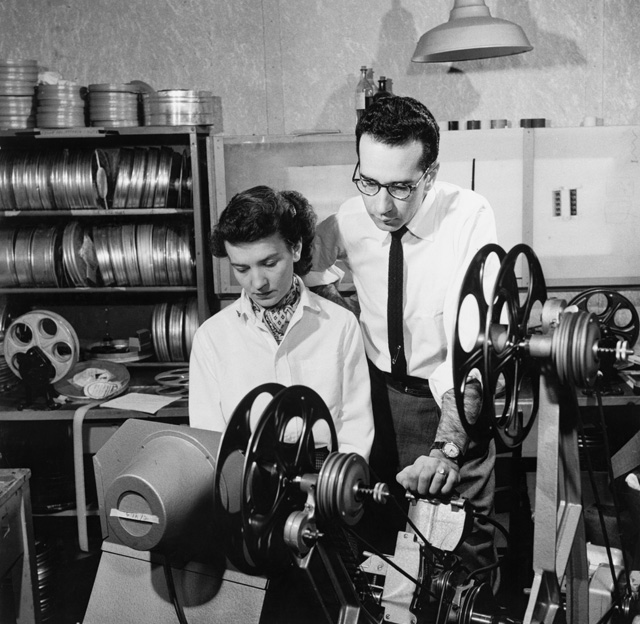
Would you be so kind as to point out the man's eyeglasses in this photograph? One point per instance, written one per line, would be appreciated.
(398, 190)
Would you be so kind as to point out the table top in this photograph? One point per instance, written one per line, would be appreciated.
(10, 400)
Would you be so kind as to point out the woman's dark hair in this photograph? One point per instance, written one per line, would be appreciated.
(396, 121)
(259, 212)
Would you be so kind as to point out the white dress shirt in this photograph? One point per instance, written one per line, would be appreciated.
(450, 226)
(322, 348)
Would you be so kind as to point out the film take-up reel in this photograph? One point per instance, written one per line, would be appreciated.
(41, 347)
(277, 509)
(532, 353)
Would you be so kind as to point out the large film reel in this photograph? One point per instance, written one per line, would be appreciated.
(280, 450)
(616, 315)
(44, 333)
(496, 351)
(507, 362)
(229, 468)
(524, 332)
(471, 320)
(617, 319)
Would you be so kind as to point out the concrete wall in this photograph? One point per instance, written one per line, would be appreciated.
(286, 65)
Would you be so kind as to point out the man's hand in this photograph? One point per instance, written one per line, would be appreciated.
(429, 475)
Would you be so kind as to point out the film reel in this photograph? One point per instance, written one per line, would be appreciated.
(471, 319)
(228, 476)
(616, 315)
(47, 332)
(280, 450)
(173, 382)
(506, 359)
(496, 352)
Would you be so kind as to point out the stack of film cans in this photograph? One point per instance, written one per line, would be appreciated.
(61, 106)
(18, 80)
(178, 107)
(114, 105)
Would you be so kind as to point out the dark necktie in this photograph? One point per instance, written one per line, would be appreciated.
(394, 305)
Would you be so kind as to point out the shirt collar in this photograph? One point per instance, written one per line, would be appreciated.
(423, 223)
(245, 309)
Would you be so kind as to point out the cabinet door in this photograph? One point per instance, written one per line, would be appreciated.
(586, 206)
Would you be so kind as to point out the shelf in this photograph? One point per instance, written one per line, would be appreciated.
(110, 212)
(97, 132)
(110, 289)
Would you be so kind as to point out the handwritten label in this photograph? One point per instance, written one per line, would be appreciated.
(138, 517)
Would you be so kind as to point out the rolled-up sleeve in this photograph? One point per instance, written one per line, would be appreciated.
(355, 426)
(476, 232)
(327, 250)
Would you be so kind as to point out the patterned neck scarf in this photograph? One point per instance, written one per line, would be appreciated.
(277, 318)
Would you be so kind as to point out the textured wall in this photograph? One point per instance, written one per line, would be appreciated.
(284, 65)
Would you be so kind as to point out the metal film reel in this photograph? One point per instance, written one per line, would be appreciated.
(506, 359)
(47, 331)
(617, 318)
(173, 382)
(274, 462)
(468, 351)
(228, 475)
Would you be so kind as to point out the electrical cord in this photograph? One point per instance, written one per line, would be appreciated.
(596, 495)
(387, 560)
(616, 502)
(168, 574)
(482, 518)
(436, 552)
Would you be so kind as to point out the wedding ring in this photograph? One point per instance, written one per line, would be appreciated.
(441, 471)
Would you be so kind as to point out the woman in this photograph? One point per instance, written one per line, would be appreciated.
(278, 331)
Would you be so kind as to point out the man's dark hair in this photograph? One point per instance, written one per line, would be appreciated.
(258, 213)
(396, 121)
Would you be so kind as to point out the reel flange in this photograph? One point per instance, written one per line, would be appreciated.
(507, 361)
(618, 317)
(468, 345)
(281, 450)
(228, 475)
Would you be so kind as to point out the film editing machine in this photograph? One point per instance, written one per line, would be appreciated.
(242, 526)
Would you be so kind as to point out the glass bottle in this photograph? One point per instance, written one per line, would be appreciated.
(364, 92)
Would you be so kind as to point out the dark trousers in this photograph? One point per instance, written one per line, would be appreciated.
(406, 418)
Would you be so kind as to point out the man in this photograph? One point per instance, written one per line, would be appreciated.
(419, 441)
(278, 331)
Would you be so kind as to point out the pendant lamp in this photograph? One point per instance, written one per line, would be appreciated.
(471, 33)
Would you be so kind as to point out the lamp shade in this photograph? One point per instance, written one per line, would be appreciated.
(471, 33)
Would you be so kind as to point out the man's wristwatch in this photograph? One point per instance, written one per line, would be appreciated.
(449, 449)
